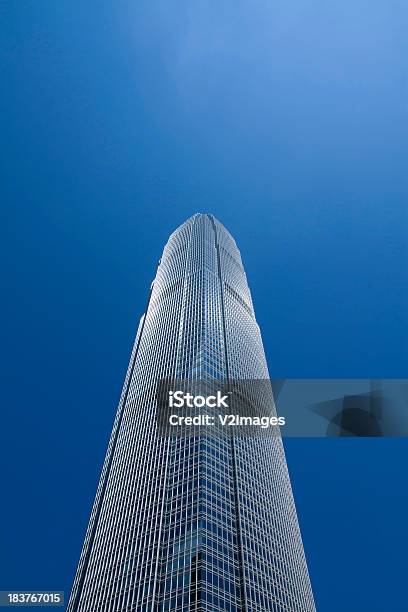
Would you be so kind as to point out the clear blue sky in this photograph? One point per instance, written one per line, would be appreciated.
(289, 122)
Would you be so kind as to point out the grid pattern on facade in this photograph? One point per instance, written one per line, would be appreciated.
(201, 522)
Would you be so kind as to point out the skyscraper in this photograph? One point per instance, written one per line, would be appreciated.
(195, 522)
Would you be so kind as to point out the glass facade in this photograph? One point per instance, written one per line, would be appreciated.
(204, 522)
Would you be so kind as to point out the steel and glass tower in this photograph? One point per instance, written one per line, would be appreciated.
(204, 521)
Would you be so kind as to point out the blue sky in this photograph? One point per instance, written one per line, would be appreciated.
(289, 123)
